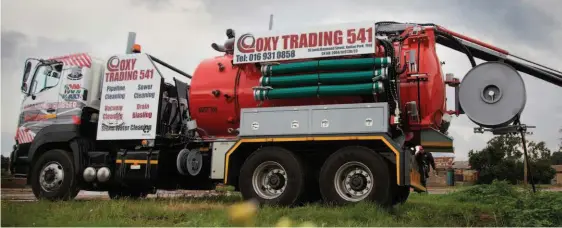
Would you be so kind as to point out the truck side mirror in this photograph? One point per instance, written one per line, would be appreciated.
(26, 73)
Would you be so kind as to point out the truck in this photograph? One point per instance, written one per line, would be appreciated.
(329, 113)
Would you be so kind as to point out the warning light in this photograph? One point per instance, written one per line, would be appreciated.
(144, 143)
(136, 48)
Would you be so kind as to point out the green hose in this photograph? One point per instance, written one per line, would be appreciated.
(319, 91)
(325, 65)
(324, 78)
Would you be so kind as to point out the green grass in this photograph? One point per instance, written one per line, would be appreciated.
(494, 205)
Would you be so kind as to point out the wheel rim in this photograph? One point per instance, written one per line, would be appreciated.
(51, 176)
(353, 181)
(269, 180)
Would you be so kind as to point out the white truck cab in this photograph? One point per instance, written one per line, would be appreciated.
(55, 91)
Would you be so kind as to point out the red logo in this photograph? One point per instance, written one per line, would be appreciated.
(116, 64)
(246, 43)
(113, 63)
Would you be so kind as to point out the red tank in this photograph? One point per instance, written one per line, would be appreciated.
(219, 90)
(432, 98)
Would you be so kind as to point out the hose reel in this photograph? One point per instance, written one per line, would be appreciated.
(492, 94)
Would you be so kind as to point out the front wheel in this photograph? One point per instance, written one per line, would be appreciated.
(353, 174)
(52, 176)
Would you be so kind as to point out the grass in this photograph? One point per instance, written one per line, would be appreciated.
(492, 205)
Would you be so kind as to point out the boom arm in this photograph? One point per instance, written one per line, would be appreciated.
(478, 49)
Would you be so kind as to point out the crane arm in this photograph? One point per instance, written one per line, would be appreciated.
(477, 49)
(488, 52)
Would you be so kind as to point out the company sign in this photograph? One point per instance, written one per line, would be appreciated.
(130, 96)
(327, 41)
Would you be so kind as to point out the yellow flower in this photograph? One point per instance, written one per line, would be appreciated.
(243, 214)
(283, 222)
(308, 224)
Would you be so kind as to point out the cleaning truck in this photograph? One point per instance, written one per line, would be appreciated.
(329, 113)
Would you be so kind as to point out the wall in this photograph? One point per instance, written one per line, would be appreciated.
(558, 177)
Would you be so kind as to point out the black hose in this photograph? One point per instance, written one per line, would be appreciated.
(389, 52)
(236, 100)
(419, 89)
(462, 46)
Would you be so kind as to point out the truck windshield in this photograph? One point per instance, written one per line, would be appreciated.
(47, 76)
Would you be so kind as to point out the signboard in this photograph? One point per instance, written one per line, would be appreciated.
(326, 41)
(130, 95)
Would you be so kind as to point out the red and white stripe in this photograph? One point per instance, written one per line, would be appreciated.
(24, 135)
(80, 59)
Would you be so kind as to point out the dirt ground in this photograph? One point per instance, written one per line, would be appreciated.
(17, 192)
(25, 194)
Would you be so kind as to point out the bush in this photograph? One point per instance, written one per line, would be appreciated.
(514, 206)
(502, 159)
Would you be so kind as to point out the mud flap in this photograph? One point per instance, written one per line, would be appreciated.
(137, 168)
(416, 181)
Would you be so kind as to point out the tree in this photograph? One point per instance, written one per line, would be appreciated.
(498, 160)
(556, 158)
(560, 146)
(502, 159)
(5, 165)
(541, 162)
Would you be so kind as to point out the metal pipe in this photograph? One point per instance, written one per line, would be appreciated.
(270, 21)
(170, 66)
(130, 42)
(473, 40)
(546, 74)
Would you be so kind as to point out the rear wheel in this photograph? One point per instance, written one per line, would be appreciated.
(274, 176)
(52, 176)
(353, 174)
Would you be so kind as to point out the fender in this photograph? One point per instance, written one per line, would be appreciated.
(54, 134)
(401, 158)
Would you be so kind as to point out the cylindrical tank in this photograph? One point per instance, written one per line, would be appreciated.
(431, 100)
(219, 90)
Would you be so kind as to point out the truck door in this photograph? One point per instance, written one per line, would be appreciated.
(40, 85)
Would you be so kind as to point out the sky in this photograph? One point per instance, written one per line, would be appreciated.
(180, 32)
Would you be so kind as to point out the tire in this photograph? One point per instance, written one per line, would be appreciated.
(343, 163)
(53, 177)
(127, 194)
(285, 169)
